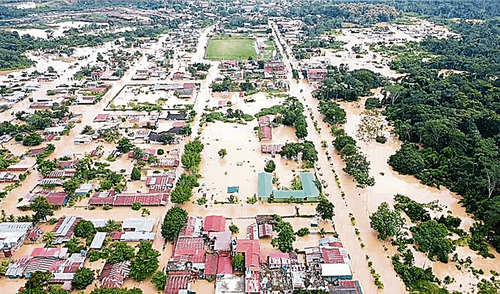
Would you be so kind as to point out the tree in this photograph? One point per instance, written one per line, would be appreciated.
(124, 145)
(136, 206)
(286, 236)
(359, 167)
(234, 229)
(84, 229)
(137, 153)
(303, 232)
(82, 278)
(238, 261)
(174, 221)
(431, 238)
(181, 194)
(48, 238)
(191, 160)
(167, 139)
(75, 245)
(186, 130)
(325, 209)
(145, 263)
(159, 280)
(38, 280)
(57, 289)
(222, 153)
(270, 166)
(160, 152)
(136, 174)
(32, 139)
(42, 209)
(387, 222)
(87, 130)
(121, 252)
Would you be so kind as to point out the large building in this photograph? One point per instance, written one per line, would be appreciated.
(309, 192)
(12, 236)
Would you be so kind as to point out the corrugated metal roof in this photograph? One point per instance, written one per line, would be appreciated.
(265, 184)
(98, 240)
(308, 185)
(285, 194)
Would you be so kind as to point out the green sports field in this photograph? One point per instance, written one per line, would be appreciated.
(230, 49)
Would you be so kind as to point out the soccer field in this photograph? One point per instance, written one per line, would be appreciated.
(237, 49)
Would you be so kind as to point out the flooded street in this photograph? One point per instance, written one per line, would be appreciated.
(221, 176)
(363, 202)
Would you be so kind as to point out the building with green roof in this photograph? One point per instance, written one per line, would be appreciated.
(265, 185)
(309, 192)
(309, 185)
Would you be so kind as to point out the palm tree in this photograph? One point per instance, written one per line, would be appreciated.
(48, 238)
(322, 232)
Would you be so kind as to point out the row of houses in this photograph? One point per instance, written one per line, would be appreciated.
(205, 249)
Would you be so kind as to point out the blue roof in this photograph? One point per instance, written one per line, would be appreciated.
(233, 189)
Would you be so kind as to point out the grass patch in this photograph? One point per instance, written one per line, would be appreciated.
(230, 49)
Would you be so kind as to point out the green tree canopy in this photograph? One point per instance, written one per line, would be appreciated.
(145, 263)
(325, 209)
(174, 221)
(84, 229)
(387, 222)
(83, 277)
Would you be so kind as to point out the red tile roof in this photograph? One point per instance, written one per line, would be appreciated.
(127, 199)
(267, 133)
(332, 255)
(224, 265)
(211, 264)
(56, 198)
(188, 245)
(214, 223)
(113, 275)
(251, 251)
(176, 283)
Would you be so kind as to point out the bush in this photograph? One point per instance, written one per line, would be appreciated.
(19, 137)
(303, 232)
(270, 166)
(136, 174)
(234, 229)
(381, 139)
(136, 206)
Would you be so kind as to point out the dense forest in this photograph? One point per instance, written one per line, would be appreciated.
(451, 123)
(9, 12)
(12, 46)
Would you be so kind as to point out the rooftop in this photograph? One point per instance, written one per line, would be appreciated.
(138, 224)
(215, 223)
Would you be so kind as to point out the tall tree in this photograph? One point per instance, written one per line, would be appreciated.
(181, 194)
(386, 222)
(42, 209)
(82, 278)
(174, 221)
(145, 263)
(325, 209)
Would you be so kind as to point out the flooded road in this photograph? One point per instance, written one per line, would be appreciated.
(363, 202)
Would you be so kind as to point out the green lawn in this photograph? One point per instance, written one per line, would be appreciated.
(230, 49)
